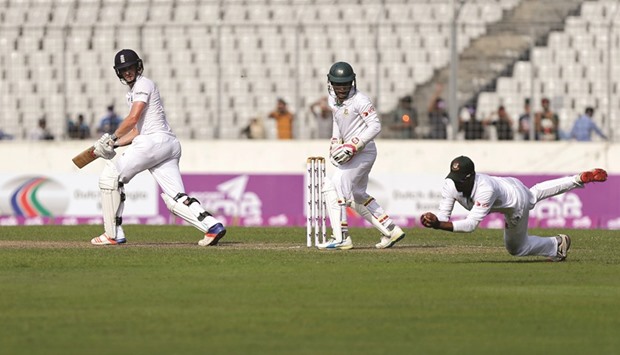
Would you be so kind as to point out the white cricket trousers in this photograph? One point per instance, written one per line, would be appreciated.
(351, 178)
(158, 153)
(516, 238)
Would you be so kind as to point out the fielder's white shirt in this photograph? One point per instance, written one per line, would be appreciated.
(355, 117)
(489, 194)
(153, 118)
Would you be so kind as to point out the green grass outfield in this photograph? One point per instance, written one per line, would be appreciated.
(263, 292)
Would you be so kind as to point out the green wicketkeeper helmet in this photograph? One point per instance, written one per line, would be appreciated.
(341, 73)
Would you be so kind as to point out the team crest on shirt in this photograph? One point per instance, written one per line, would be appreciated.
(346, 111)
(482, 204)
(370, 110)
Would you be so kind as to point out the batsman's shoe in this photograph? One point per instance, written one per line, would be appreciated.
(387, 242)
(333, 244)
(213, 235)
(105, 240)
(594, 175)
(563, 247)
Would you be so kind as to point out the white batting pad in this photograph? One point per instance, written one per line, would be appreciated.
(188, 213)
(111, 201)
(336, 210)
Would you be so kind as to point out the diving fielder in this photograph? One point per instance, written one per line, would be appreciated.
(482, 194)
(154, 147)
(353, 152)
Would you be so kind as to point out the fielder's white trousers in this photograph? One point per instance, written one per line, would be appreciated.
(516, 238)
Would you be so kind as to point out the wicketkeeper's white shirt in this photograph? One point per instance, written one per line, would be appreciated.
(355, 117)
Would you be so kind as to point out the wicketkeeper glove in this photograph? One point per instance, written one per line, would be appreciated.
(343, 153)
(335, 144)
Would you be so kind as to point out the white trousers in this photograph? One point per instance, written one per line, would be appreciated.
(157, 153)
(517, 240)
(351, 183)
(351, 178)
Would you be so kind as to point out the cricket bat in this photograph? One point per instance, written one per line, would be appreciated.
(84, 158)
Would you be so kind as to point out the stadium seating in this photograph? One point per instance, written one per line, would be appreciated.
(225, 62)
(572, 70)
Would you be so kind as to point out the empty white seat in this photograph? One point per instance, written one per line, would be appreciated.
(110, 13)
(136, 12)
(160, 13)
(185, 12)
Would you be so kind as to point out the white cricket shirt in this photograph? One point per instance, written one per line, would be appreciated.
(355, 117)
(153, 118)
(489, 194)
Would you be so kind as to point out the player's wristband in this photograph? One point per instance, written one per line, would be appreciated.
(113, 137)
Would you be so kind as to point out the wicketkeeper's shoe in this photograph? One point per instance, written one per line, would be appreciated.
(387, 242)
(333, 244)
(105, 240)
(594, 175)
(213, 235)
(563, 247)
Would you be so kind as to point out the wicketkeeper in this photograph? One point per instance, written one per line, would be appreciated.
(353, 152)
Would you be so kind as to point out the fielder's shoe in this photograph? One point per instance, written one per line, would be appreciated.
(387, 242)
(594, 175)
(213, 235)
(563, 247)
(105, 240)
(333, 244)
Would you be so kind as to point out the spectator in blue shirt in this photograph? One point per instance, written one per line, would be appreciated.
(584, 126)
(110, 122)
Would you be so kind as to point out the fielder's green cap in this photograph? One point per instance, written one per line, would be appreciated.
(461, 168)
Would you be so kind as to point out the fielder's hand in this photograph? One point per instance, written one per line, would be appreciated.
(104, 147)
(429, 220)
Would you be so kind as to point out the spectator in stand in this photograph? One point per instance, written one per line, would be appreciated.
(254, 129)
(525, 121)
(584, 126)
(324, 120)
(404, 119)
(471, 127)
(502, 123)
(284, 120)
(41, 132)
(547, 123)
(110, 122)
(438, 116)
(79, 129)
(5, 136)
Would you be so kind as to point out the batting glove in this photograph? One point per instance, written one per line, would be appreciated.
(104, 147)
(107, 139)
